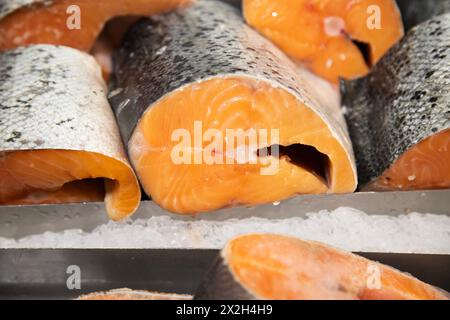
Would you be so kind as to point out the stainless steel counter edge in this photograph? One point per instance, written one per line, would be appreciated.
(20, 221)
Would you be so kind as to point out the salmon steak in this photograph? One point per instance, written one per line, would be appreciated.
(334, 38)
(59, 141)
(72, 23)
(128, 294)
(214, 115)
(275, 267)
(24, 22)
(399, 115)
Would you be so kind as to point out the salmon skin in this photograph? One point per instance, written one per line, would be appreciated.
(399, 116)
(128, 294)
(202, 68)
(414, 12)
(9, 6)
(57, 130)
(334, 38)
(275, 267)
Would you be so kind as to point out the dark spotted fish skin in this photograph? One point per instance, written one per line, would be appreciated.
(54, 97)
(236, 3)
(404, 100)
(9, 6)
(414, 12)
(206, 40)
(220, 284)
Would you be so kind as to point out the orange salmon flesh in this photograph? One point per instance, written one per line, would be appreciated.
(40, 24)
(279, 267)
(47, 24)
(312, 160)
(424, 166)
(62, 176)
(327, 35)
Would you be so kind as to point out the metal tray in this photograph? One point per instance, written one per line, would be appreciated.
(42, 273)
(21, 221)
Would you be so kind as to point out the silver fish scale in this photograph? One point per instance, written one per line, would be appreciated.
(9, 6)
(206, 40)
(404, 100)
(54, 97)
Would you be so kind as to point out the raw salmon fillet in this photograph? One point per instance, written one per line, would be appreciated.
(275, 267)
(58, 176)
(424, 166)
(399, 115)
(59, 139)
(182, 71)
(24, 22)
(334, 38)
(45, 22)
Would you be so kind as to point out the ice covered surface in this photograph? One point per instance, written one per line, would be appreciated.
(345, 228)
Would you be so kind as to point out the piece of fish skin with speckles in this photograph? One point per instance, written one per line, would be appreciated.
(399, 116)
(276, 267)
(414, 12)
(58, 130)
(9, 6)
(203, 63)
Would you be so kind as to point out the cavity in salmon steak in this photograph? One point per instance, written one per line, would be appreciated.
(58, 135)
(275, 267)
(334, 38)
(184, 80)
(399, 115)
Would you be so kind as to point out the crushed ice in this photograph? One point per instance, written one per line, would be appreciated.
(345, 228)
